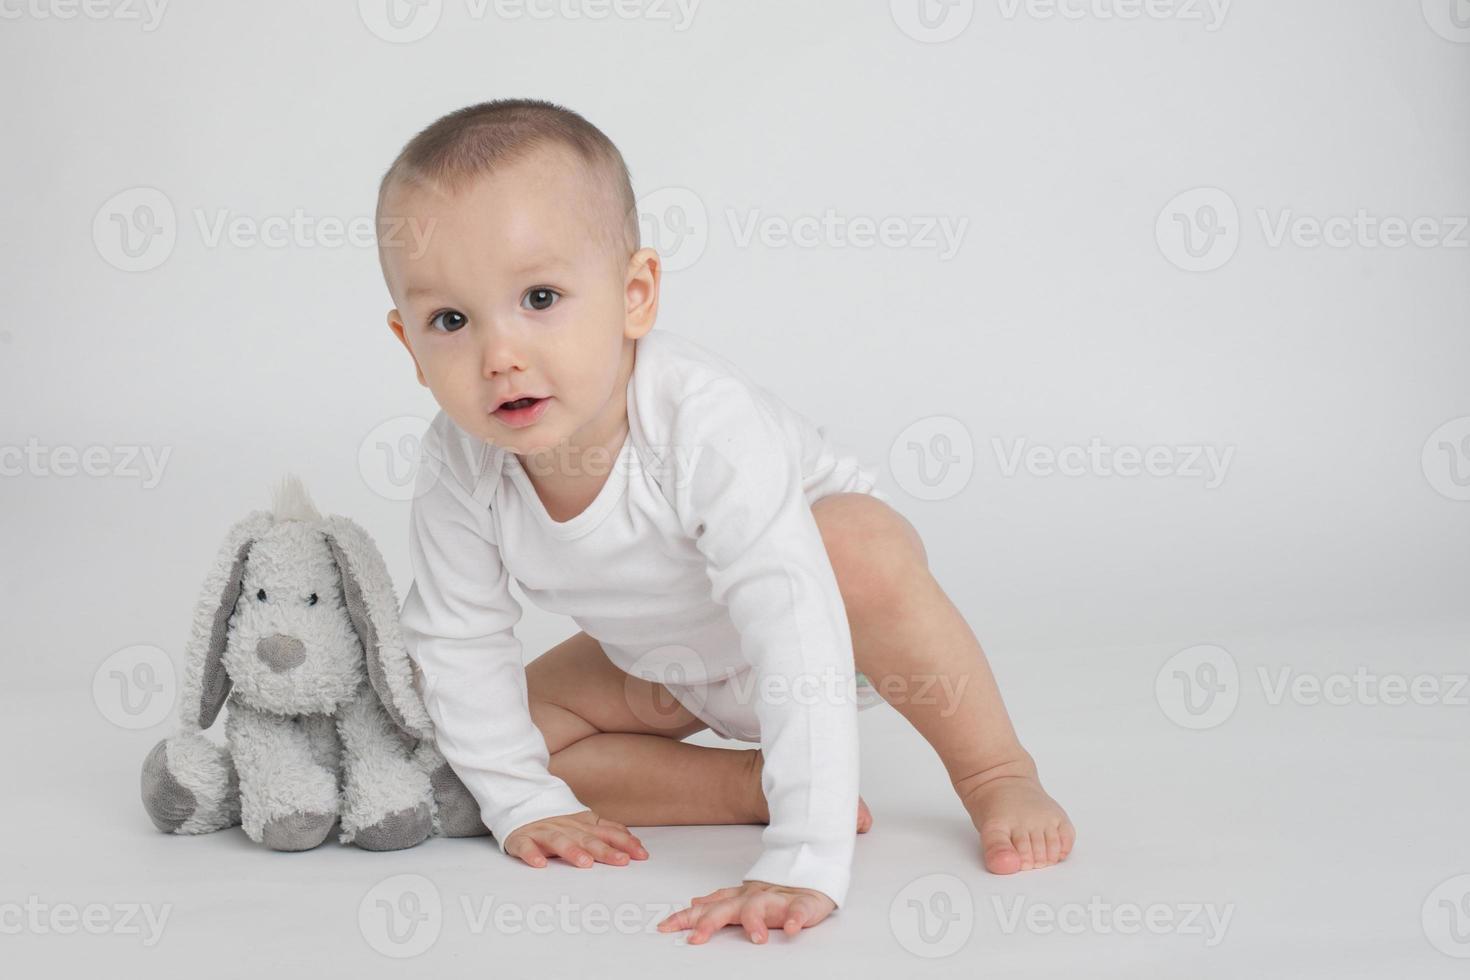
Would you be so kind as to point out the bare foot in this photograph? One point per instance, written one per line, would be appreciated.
(758, 798)
(1021, 827)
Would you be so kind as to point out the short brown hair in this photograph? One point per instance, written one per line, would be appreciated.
(470, 142)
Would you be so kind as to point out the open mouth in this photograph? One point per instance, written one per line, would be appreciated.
(521, 403)
(521, 411)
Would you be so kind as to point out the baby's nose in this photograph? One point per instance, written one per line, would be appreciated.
(281, 652)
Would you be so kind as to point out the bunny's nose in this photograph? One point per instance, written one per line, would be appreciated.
(281, 652)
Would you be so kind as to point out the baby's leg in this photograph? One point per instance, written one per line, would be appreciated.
(615, 740)
(918, 651)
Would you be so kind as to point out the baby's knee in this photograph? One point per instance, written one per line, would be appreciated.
(875, 552)
(559, 726)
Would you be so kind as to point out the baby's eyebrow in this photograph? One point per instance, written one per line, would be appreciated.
(547, 263)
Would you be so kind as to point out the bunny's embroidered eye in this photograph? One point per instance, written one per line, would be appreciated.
(311, 599)
(260, 595)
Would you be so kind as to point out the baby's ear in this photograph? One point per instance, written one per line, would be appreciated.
(644, 267)
(395, 324)
(372, 606)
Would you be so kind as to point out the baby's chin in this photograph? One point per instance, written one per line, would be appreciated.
(543, 435)
(523, 442)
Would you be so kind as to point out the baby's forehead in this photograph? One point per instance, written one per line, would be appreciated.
(546, 191)
(546, 171)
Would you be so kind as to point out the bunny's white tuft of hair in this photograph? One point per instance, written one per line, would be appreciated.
(291, 502)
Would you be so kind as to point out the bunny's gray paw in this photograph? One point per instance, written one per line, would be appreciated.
(169, 802)
(399, 829)
(189, 786)
(297, 831)
(459, 814)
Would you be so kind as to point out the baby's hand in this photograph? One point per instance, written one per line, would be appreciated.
(577, 837)
(753, 905)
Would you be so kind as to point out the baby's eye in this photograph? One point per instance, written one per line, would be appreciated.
(448, 321)
(542, 298)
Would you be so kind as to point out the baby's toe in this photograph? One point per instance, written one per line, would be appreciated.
(1053, 845)
(1001, 856)
(864, 817)
(1038, 848)
(1067, 834)
(1022, 840)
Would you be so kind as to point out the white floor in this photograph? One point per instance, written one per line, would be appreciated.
(1288, 840)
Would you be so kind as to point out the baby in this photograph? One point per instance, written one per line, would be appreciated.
(729, 566)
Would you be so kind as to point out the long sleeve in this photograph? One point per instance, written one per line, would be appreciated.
(458, 622)
(742, 500)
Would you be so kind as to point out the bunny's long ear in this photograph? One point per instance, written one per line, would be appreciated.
(372, 606)
(206, 685)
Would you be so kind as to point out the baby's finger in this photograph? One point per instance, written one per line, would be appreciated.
(711, 918)
(602, 851)
(566, 847)
(525, 848)
(605, 822)
(680, 920)
(714, 896)
(802, 912)
(623, 840)
(753, 915)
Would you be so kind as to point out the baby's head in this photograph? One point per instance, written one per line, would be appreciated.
(523, 274)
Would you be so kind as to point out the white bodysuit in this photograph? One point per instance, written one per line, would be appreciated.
(698, 565)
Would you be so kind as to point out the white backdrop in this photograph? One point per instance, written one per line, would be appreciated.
(1001, 248)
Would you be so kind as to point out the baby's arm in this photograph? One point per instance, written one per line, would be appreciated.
(742, 500)
(458, 622)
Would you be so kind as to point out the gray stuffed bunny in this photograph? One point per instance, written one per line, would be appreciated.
(297, 625)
